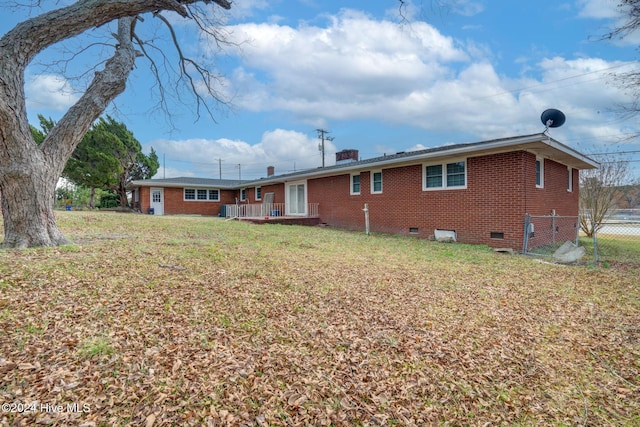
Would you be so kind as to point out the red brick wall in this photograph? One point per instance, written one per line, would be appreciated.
(554, 195)
(500, 190)
(174, 203)
(145, 199)
(277, 189)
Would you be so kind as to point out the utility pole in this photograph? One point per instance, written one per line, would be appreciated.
(239, 172)
(220, 167)
(321, 135)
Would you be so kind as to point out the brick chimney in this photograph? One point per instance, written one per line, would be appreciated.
(271, 171)
(346, 156)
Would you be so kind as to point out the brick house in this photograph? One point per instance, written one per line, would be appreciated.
(479, 191)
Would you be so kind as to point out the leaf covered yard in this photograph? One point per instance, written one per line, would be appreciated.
(198, 321)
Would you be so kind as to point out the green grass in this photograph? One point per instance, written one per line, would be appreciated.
(95, 346)
(614, 248)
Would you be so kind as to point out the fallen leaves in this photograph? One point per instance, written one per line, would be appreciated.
(330, 328)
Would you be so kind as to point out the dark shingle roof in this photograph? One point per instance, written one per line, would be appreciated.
(189, 182)
(542, 141)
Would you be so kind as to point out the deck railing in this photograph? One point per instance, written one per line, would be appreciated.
(262, 210)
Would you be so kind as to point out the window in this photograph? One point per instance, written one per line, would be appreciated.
(376, 182)
(355, 184)
(434, 176)
(201, 194)
(445, 176)
(243, 194)
(258, 193)
(189, 194)
(455, 174)
(569, 179)
(539, 172)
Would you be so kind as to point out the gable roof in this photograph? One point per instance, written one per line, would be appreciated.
(539, 144)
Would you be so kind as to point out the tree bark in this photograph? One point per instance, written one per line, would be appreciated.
(27, 206)
(28, 172)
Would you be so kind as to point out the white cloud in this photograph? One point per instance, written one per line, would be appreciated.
(598, 9)
(358, 68)
(246, 8)
(345, 70)
(467, 7)
(617, 17)
(49, 92)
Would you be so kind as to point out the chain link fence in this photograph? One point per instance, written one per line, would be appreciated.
(545, 234)
(617, 239)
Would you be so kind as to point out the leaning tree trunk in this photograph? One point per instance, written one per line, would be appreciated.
(27, 207)
(28, 172)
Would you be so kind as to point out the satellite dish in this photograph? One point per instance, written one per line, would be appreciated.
(552, 118)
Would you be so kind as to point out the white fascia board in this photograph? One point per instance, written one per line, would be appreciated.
(151, 183)
(571, 152)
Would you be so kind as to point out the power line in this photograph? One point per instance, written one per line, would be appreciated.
(615, 152)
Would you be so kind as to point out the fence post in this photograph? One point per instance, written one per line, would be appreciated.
(366, 218)
(595, 247)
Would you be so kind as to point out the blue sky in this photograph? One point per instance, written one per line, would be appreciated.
(468, 71)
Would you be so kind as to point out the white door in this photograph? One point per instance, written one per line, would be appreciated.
(296, 199)
(157, 201)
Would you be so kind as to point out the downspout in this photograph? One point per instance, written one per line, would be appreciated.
(526, 213)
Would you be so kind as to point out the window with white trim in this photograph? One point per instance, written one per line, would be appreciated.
(243, 194)
(569, 179)
(201, 194)
(376, 182)
(452, 175)
(355, 184)
(258, 193)
(539, 172)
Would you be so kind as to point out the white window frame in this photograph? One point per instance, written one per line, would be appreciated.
(351, 192)
(243, 194)
(443, 165)
(184, 194)
(258, 193)
(541, 161)
(569, 179)
(372, 175)
(195, 194)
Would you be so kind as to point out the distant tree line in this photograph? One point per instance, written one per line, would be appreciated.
(107, 159)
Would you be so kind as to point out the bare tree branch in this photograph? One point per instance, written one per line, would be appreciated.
(598, 188)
